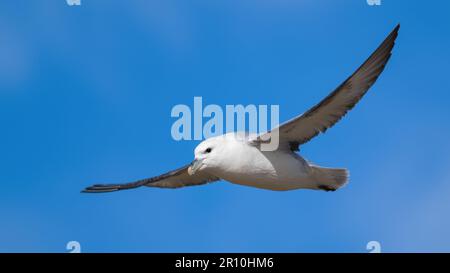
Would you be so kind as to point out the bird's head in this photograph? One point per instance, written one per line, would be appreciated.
(206, 154)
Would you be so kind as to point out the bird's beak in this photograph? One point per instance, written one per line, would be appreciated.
(195, 165)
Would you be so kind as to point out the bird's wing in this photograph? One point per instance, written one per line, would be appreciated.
(331, 109)
(174, 179)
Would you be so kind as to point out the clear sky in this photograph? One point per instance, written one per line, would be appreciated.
(86, 94)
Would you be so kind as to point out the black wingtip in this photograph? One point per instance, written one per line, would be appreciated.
(396, 29)
(394, 32)
(95, 191)
(100, 188)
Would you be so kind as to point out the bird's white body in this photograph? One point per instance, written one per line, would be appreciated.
(247, 165)
(257, 170)
(234, 159)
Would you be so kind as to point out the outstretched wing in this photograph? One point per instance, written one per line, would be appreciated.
(332, 108)
(174, 179)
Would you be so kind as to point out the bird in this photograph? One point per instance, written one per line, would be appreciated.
(237, 157)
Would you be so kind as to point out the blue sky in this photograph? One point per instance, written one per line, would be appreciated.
(86, 94)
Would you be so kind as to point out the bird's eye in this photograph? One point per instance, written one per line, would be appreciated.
(208, 150)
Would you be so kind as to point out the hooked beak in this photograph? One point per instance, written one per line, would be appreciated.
(195, 165)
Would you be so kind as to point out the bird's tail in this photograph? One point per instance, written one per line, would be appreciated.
(329, 179)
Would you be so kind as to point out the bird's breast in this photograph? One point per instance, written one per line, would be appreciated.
(276, 170)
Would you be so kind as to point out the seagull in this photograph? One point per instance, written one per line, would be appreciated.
(239, 159)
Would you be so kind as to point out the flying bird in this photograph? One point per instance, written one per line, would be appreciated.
(238, 157)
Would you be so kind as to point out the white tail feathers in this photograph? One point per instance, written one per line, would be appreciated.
(329, 179)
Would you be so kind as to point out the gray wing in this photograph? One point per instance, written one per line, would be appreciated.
(174, 179)
(332, 108)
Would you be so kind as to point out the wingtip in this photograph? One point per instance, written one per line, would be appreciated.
(98, 189)
(390, 39)
(87, 190)
(394, 32)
